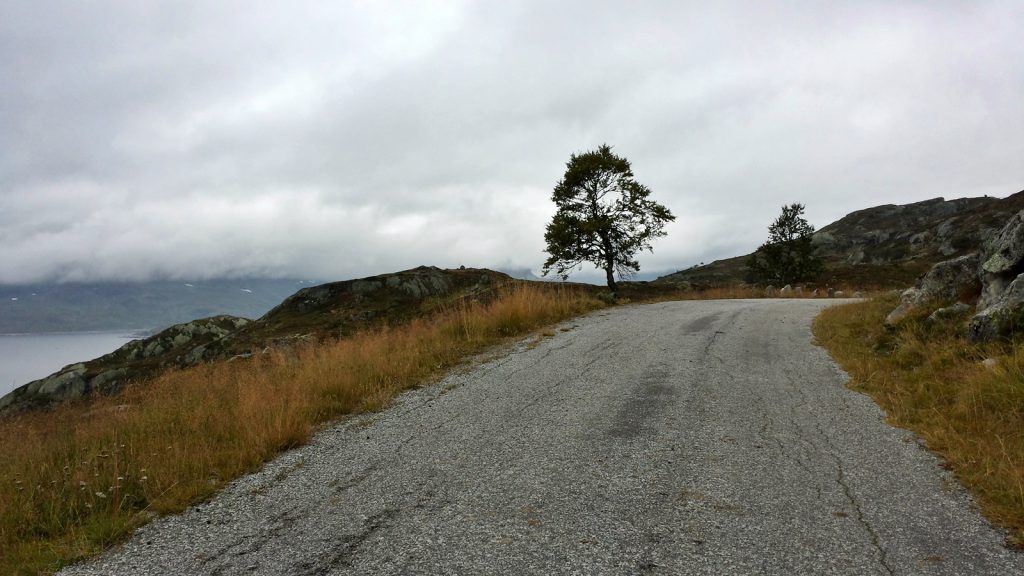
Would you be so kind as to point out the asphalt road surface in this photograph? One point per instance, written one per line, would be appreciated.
(678, 438)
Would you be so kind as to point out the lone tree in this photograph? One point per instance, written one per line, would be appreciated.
(788, 255)
(604, 217)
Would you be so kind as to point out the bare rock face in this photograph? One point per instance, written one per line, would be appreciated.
(996, 275)
(1003, 315)
(952, 280)
(1001, 305)
(1006, 251)
(1003, 260)
(955, 279)
(887, 246)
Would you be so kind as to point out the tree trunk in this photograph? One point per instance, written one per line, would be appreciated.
(611, 279)
(609, 261)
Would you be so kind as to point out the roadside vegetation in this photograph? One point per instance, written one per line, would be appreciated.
(965, 400)
(789, 256)
(604, 217)
(80, 477)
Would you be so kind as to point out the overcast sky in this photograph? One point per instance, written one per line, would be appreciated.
(340, 139)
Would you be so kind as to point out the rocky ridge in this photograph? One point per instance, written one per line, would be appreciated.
(312, 314)
(990, 282)
(886, 246)
(176, 346)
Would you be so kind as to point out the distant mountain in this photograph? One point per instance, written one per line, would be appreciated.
(884, 246)
(154, 305)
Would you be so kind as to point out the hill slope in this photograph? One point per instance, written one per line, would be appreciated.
(312, 314)
(884, 246)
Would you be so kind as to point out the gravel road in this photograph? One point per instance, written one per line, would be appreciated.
(679, 438)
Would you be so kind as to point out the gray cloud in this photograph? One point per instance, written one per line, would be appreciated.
(331, 139)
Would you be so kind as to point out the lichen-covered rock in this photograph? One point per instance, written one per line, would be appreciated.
(950, 312)
(1002, 261)
(952, 280)
(180, 345)
(1002, 316)
(955, 279)
(1005, 252)
(63, 385)
(908, 301)
(108, 379)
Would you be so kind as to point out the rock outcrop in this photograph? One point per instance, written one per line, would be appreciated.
(948, 312)
(341, 308)
(993, 278)
(950, 281)
(1003, 315)
(1003, 260)
(885, 246)
(312, 314)
(1001, 305)
(136, 360)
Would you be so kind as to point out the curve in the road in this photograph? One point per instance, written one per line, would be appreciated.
(699, 437)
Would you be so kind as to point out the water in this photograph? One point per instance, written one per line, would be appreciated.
(28, 357)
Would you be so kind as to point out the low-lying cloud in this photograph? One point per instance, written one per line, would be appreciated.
(333, 140)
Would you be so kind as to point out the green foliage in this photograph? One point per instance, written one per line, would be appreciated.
(789, 255)
(604, 217)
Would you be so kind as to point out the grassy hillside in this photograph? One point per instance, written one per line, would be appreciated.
(930, 379)
(81, 477)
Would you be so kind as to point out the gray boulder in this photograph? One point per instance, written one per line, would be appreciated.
(909, 300)
(1006, 251)
(68, 383)
(1001, 304)
(1003, 315)
(955, 279)
(1002, 261)
(949, 281)
(950, 312)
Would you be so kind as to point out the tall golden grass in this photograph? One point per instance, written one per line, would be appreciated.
(748, 292)
(78, 478)
(930, 379)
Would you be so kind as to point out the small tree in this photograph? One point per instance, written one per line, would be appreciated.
(788, 255)
(603, 217)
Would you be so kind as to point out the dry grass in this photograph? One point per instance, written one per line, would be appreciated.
(930, 379)
(740, 292)
(81, 477)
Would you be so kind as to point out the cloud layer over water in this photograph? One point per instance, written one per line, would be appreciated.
(338, 139)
